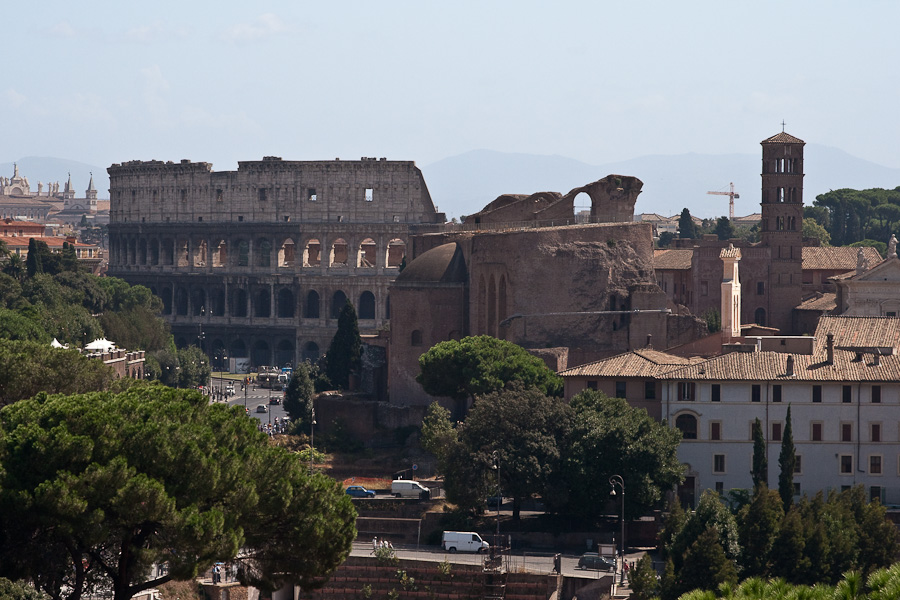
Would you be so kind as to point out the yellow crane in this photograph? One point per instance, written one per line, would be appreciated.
(731, 196)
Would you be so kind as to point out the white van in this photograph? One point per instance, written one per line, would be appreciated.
(463, 541)
(405, 488)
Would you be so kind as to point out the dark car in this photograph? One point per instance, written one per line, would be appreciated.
(274, 400)
(358, 491)
(592, 560)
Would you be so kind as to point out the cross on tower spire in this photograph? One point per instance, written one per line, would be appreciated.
(782, 126)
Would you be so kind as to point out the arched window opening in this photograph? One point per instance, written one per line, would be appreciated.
(181, 302)
(262, 303)
(311, 352)
(581, 209)
(367, 305)
(287, 254)
(285, 304)
(183, 252)
(168, 252)
(759, 317)
(416, 338)
(312, 305)
(687, 424)
(366, 256)
(312, 255)
(200, 254)
(261, 354)
(238, 349)
(239, 303)
(198, 302)
(142, 252)
(263, 253)
(217, 303)
(337, 303)
(284, 354)
(338, 256)
(243, 257)
(154, 252)
(396, 250)
(220, 254)
(167, 300)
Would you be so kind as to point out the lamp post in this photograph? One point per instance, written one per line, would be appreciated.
(616, 480)
(496, 456)
(312, 426)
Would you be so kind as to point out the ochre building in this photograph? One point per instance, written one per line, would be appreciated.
(256, 263)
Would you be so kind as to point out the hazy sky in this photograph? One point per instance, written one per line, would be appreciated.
(104, 82)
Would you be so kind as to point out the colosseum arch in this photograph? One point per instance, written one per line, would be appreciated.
(311, 310)
(367, 305)
(338, 254)
(396, 250)
(217, 303)
(198, 302)
(287, 253)
(262, 303)
(260, 354)
(366, 257)
(183, 252)
(238, 349)
(311, 352)
(154, 252)
(166, 295)
(338, 300)
(284, 353)
(168, 252)
(132, 251)
(238, 306)
(285, 309)
(142, 252)
(243, 254)
(201, 257)
(263, 252)
(181, 302)
(312, 254)
(219, 253)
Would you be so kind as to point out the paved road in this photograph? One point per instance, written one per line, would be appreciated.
(534, 562)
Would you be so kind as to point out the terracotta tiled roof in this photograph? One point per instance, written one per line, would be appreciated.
(825, 302)
(859, 332)
(51, 241)
(782, 138)
(841, 258)
(673, 259)
(771, 366)
(638, 363)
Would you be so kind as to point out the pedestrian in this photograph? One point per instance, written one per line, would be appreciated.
(390, 545)
(374, 544)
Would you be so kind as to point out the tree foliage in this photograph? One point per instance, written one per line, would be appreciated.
(854, 215)
(787, 461)
(438, 433)
(472, 366)
(812, 229)
(687, 229)
(346, 348)
(724, 229)
(98, 487)
(299, 396)
(759, 471)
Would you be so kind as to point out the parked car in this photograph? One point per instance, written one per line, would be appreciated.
(262, 408)
(592, 560)
(358, 491)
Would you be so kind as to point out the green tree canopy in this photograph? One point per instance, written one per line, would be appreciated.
(299, 396)
(609, 437)
(811, 229)
(759, 471)
(687, 229)
(96, 488)
(787, 461)
(724, 229)
(472, 366)
(345, 350)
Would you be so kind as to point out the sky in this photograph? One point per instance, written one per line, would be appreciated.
(221, 82)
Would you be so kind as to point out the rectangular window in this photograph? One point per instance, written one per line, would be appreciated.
(716, 392)
(184, 195)
(592, 385)
(718, 463)
(776, 393)
(875, 464)
(817, 393)
(760, 288)
(846, 464)
(846, 432)
(875, 493)
(685, 391)
(715, 430)
(311, 195)
(620, 389)
(755, 393)
(776, 432)
(370, 194)
(261, 194)
(720, 488)
(649, 390)
(796, 488)
(876, 394)
(156, 195)
(798, 462)
(846, 394)
(816, 432)
(220, 196)
(704, 288)
(876, 432)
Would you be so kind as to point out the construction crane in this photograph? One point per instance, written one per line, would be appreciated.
(731, 196)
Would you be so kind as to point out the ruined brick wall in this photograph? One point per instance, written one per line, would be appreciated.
(263, 258)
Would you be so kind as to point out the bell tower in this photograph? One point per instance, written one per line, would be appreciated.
(782, 228)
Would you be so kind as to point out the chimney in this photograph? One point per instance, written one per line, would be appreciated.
(789, 371)
(649, 340)
(829, 345)
(876, 359)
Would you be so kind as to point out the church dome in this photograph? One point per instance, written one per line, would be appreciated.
(444, 264)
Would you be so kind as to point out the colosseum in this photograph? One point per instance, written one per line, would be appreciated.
(256, 263)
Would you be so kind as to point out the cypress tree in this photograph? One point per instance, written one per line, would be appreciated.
(787, 460)
(33, 264)
(686, 227)
(346, 347)
(760, 469)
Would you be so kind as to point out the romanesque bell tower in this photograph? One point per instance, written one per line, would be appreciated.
(782, 225)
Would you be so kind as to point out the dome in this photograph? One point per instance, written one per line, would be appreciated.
(444, 264)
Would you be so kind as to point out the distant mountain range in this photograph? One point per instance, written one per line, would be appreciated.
(464, 184)
(50, 170)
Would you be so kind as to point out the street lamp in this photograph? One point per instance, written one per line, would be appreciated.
(312, 430)
(616, 480)
(496, 456)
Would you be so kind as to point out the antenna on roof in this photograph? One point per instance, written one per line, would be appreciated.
(782, 126)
